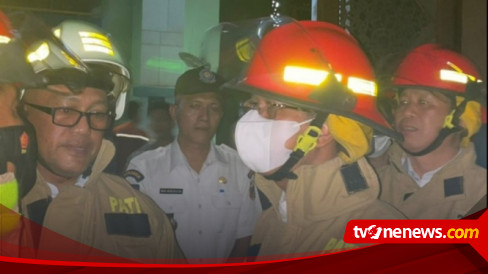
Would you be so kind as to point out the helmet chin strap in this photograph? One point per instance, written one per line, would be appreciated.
(451, 125)
(436, 143)
(306, 142)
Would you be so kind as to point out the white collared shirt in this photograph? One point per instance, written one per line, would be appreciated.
(212, 208)
(80, 182)
(422, 181)
(282, 207)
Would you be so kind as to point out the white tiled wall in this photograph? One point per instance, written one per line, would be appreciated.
(162, 40)
(167, 28)
(151, 37)
(155, 14)
(149, 76)
(176, 16)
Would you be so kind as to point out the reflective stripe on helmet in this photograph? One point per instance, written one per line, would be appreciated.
(93, 54)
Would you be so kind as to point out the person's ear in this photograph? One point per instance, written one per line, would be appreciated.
(22, 110)
(325, 138)
(172, 112)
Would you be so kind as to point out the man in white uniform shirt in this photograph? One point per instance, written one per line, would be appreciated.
(206, 189)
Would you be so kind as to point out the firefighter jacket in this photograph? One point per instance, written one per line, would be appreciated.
(455, 190)
(106, 214)
(319, 204)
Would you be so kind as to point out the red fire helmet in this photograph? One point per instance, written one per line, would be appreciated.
(318, 66)
(432, 66)
(5, 29)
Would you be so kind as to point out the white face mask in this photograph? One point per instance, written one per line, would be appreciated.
(261, 142)
(381, 144)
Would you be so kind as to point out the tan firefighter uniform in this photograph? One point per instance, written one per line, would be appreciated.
(106, 213)
(319, 204)
(451, 193)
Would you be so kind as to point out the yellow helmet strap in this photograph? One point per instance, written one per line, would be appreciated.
(306, 142)
(451, 125)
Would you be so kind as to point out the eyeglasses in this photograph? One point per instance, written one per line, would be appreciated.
(68, 117)
(271, 107)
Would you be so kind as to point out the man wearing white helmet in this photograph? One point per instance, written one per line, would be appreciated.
(72, 196)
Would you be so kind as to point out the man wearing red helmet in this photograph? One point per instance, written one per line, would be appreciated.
(307, 130)
(432, 173)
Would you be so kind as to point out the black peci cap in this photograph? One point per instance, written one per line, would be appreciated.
(198, 80)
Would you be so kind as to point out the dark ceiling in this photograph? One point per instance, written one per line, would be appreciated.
(236, 10)
(52, 12)
(74, 7)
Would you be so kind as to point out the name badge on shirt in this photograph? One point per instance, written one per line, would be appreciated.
(170, 191)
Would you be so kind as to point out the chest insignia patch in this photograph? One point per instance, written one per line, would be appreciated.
(453, 186)
(353, 178)
(134, 174)
(222, 180)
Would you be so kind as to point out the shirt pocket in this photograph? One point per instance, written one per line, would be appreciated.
(175, 206)
(227, 207)
(173, 203)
